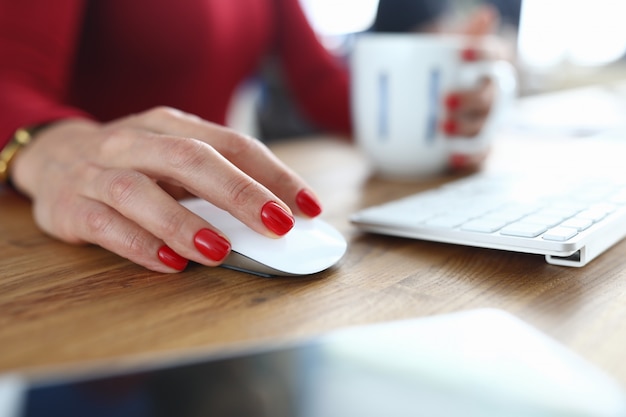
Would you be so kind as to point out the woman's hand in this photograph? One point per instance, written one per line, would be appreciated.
(466, 115)
(468, 109)
(116, 185)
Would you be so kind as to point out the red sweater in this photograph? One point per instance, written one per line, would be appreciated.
(107, 59)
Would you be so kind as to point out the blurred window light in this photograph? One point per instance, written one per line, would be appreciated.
(600, 36)
(580, 32)
(340, 17)
(540, 42)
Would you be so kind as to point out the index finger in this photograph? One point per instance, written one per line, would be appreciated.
(246, 153)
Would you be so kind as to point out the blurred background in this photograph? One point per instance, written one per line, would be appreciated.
(560, 43)
(555, 45)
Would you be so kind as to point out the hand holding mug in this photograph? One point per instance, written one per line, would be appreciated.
(468, 109)
(422, 102)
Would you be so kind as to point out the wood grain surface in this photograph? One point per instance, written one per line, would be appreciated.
(63, 305)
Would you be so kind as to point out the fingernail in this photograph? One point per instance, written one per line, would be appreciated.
(211, 244)
(458, 161)
(452, 101)
(469, 54)
(308, 203)
(449, 127)
(171, 258)
(276, 218)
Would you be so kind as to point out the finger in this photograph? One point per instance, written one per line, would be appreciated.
(175, 191)
(475, 108)
(470, 125)
(465, 163)
(482, 22)
(475, 100)
(201, 170)
(486, 48)
(248, 154)
(468, 110)
(99, 224)
(139, 199)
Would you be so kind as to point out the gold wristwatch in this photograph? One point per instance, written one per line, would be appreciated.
(21, 138)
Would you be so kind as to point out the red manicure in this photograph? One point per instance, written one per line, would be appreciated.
(171, 258)
(458, 161)
(452, 101)
(449, 127)
(469, 54)
(308, 203)
(211, 244)
(276, 218)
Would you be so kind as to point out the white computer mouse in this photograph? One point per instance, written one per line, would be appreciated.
(311, 246)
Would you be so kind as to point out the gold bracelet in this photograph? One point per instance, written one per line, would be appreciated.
(22, 137)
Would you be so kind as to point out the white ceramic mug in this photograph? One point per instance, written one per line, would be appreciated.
(399, 82)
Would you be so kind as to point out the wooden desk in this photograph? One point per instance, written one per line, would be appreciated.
(62, 305)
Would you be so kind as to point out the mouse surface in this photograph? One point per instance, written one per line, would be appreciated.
(311, 246)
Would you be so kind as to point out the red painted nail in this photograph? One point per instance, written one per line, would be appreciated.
(171, 258)
(308, 203)
(276, 218)
(211, 244)
(469, 54)
(452, 101)
(458, 161)
(449, 127)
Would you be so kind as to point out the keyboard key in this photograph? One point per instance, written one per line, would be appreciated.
(447, 222)
(483, 226)
(513, 212)
(577, 223)
(593, 215)
(549, 221)
(560, 233)
(523, 229)
(398, 217)
(563, 211)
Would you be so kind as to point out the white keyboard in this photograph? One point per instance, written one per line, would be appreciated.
(569, 221)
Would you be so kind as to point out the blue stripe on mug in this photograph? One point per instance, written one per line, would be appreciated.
(434, 95)
(383, 106)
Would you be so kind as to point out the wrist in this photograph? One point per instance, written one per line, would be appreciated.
(21, 138)
(55, 148)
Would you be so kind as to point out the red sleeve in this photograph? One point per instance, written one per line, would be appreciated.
(38, 39)
(317, 79)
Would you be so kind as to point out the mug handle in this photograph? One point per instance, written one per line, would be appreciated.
(504, 75)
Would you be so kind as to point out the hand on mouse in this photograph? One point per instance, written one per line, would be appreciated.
(117, 184)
